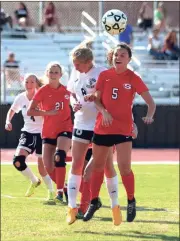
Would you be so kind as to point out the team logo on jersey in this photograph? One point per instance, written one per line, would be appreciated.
(127, 86)
(76, 80)
(24, 106)
(91, 83)
(66, 97)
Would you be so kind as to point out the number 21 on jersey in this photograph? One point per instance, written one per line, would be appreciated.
(59, 106)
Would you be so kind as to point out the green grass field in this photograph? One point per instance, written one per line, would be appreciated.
(157, 194)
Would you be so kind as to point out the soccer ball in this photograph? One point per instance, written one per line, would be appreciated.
(114, 21)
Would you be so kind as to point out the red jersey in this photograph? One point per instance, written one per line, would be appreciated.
(117, 94)
(51, 99)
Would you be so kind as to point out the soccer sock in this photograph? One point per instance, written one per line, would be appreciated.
(74, 182)
(85, 196)
(47, 180)
(128, 182)
(95, 184)
(30, 175)
(53, 175)
(68, 159)
(112, 186)
(60, 177)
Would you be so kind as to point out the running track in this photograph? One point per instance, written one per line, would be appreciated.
(138, 155)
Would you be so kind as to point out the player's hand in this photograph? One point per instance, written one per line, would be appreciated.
(107, 118)
(77, 106)
(134, 131)
(89, 97)
(51, 112)
(148, 120)
(8, 126)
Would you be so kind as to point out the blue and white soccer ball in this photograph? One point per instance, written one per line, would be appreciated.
(114, 21)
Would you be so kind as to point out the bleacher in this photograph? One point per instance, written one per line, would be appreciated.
(38, 49)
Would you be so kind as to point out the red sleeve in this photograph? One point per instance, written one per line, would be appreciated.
(139, 85)
(100, 82)
(39, 96)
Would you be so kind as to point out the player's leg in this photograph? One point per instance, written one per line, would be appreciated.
(63, 146)
(112, 186)
(74, 177)
(92, 178)
(48, 150)
(46, 178)
(100, 154)
(24, 148)
(19, 162)
(80, 144)
(124, 163)
(85, 186)
(42, 171)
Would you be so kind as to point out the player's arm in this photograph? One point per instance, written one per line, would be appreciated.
(76, 105)
(134, 131)
(148, 119)
(34, 111)
(107, 118)
(96, 97)
(10, 114)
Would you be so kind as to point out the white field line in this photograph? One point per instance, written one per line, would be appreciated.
(133, 163)
(30, 198)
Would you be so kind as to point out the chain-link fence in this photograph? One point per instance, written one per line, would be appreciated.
(69, 13)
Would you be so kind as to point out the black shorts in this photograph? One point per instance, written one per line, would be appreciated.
(30, 142)
(83, 136)
(110, 140)
(54, 141)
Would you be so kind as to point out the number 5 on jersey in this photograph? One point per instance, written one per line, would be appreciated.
(59, 106)
(114, 93)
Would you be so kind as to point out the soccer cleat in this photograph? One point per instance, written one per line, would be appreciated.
(71, 215)
(117, 216)
(131, 210)
(32, 188)
(93, 207)
(80, 214)
(59, 198)
(50, 199)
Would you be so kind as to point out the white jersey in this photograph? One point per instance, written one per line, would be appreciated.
(82, 84)
(31, 124)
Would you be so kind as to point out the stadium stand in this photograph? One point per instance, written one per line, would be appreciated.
(36, 50)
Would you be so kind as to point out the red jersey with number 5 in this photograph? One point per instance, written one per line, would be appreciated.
(117, 94)
(51, 99)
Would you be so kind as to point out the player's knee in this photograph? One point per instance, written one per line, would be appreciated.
(60, 157)
(88, 154)
(19, 163)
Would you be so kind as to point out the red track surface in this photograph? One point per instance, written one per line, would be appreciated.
(137, 155)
